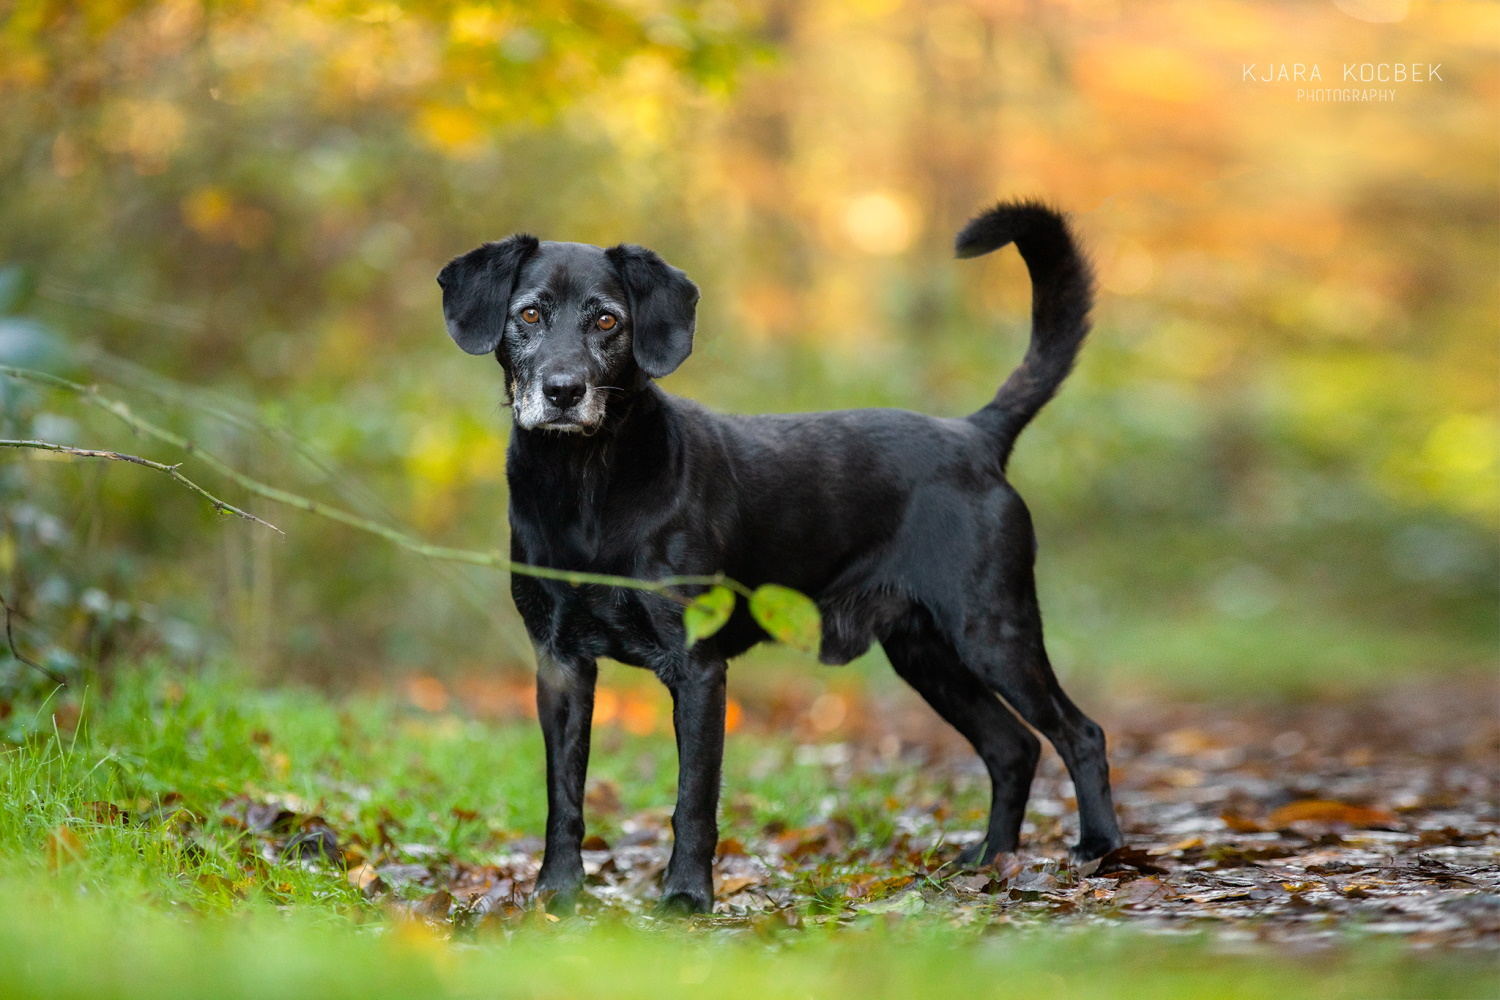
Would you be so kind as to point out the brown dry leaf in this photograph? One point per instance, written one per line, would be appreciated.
(1440, 838)
(435, 906)
(888, 885)
(1187, 742)
(1326, 811)
(602, 798)
(1241, 824)
(977, 883)
(1224, 896)
(594, 842)
(63, 846)
(1006, 866)
(729, 846)
(106, 812)
(1240, 856)
(1126, 857)
(362, 876)
(730, 886)
(1143, 892)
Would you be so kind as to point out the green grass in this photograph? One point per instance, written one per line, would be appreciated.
(114, 909)
(76, 949)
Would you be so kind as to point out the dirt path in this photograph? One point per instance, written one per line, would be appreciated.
(1285, 825)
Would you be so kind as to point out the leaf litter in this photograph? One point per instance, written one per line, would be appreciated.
(1277, 824)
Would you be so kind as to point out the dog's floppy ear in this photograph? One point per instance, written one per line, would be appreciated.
(663, 308)
(477, 289)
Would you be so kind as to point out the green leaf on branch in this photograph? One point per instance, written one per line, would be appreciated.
(707, 613)
(788, 615)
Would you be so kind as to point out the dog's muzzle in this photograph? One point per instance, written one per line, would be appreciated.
(558, 405)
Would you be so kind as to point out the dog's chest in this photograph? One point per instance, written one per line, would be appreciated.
(632, 627)
(627, 625)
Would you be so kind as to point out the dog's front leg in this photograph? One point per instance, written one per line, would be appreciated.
(698, 718)
(565, 708)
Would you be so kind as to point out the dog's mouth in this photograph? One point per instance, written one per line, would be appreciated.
(533, 411)
(568, 426)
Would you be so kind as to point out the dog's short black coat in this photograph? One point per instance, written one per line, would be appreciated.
(903, 527)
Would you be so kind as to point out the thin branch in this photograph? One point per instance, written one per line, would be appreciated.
(235, 413)
(10, 640)
(91, 395)
(171, 470)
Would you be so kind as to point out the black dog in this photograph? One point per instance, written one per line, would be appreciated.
(901, 526)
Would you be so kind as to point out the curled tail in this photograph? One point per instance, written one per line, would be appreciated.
(1062, 292)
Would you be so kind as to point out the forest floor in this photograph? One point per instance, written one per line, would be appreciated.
(186, 828)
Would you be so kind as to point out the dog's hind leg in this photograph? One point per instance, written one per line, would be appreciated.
(565, 708)
(698, 705)
(929, 664)
(1007, 652)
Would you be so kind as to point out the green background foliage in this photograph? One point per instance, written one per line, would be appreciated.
(1275, 465)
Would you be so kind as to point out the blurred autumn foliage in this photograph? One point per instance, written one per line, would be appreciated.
(1278, 456)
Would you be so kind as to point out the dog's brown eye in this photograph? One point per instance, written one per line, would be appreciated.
(530, 315)
(607, 322)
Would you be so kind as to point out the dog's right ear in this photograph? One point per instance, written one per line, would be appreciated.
(477, 289)
(663, 308)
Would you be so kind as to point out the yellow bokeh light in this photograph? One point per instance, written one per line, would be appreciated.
(879, 223)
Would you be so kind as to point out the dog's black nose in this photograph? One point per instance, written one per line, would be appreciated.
(562, 391)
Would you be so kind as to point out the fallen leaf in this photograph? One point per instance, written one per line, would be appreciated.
(1143, 892)
(1241, 824)
(1124, 857)
(1325, 811)
(1235, 856)
(317, 844)
(1034, 881)
(730, 886)
(435, 906)
(106, 812)
(1440, 838)
(363, 876)
(63, 847)
(602, 798)
(886, 886)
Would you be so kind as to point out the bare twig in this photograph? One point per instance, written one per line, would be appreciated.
(117, 456)
(666, 587)
(10, 640)
(353, 493)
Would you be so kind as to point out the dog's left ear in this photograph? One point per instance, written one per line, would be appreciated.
(663, 308)
(477, 289)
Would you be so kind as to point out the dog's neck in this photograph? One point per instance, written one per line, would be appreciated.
(562, 483)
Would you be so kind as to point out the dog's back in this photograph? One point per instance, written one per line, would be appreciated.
(876, 511)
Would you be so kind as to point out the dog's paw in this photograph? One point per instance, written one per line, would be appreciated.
(556, 902)
(974, 856)
(1087, 858)
(683, 904)
(558, 894)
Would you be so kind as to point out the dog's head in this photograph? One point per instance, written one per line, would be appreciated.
(569, 323)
